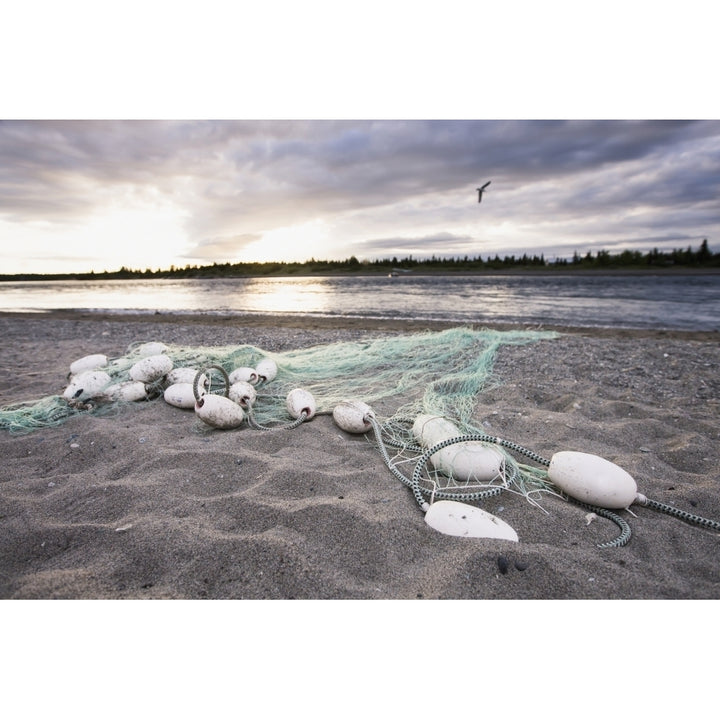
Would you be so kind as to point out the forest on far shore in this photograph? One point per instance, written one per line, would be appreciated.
(702, 258)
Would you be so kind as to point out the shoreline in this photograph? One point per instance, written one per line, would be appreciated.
(320, 322)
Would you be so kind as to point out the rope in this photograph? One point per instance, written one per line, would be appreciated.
(676, 512)
(200, 373)
(418, 490)
(421, 492)
(626, 532)
(282, 426)
(414, 482)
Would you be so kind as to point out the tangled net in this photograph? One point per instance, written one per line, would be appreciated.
(402, 376)
(433, 372)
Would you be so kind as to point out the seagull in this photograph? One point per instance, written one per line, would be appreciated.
(480, 190)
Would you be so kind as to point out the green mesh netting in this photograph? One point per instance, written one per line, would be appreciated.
(432, 372)
(400, 377)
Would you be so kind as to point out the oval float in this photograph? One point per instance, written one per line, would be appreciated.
(219, 412)
(266, 369)
(89, 362)
(87, 385)
(181, 375)
(299, 401)
(242, 393)
(243, 374)
(151, 348)
(151, 368)
(350, 416)
(467, 461)
(180, 395)
(130, 391)
(592, 479)
(455, 518)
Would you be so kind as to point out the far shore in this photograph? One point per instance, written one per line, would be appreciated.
(500, 272)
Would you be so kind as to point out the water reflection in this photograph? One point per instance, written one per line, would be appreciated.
(278, 295)
(98, 294)
(620, 301)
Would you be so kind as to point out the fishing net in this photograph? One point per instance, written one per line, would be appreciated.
(432, 372)
(401, 376)
(399, 379)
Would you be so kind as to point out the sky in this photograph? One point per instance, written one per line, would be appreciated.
(96, 195)
(379, 126)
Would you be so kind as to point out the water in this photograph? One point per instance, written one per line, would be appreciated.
(689, 302)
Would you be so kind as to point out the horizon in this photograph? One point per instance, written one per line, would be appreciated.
(653, 260)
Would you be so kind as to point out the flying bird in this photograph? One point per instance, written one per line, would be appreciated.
(480, 190)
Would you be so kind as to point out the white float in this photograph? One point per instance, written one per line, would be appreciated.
(180, 395)
(219, 412)
(151, 368)
(243, 393)
(88, 384)
(89, 362)
(467, 461)
(266, 369)
(350, 416)
(244, 374)
(299, 401)
(151, 348)
(130, 391)
(592, 479)
(456, 518)
(181, 375)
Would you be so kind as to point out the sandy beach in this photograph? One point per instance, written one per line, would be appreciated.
(138, 505)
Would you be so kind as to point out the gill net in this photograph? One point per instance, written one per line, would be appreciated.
(400, 377)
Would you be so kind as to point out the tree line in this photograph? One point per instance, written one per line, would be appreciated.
(701, 258)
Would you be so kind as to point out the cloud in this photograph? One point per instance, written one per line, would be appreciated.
(220, 249)
(418, 247)
(384, 186)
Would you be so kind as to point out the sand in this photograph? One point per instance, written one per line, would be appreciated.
(138, 505)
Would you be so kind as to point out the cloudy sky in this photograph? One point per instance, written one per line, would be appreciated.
(82, 195)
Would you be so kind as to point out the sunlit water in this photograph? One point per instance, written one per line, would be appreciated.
(690, 302)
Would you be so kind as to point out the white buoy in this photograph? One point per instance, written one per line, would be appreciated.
(266, 369)
(130, 391)
(181, 375)
(88, 384)
(467, 461)
(89, 362)
(180, 395)
(299, 401)
(219, 412)
(243, 393)
(151, 368)
(151, 348)
(244, 374)
(456, 518)
(350, 416)
(592, 479)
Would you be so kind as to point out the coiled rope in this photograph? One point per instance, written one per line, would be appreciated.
(208, 387)
(420, 493)
(414, 483)
(619, 541)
